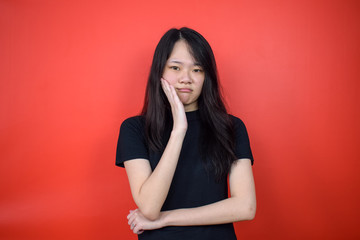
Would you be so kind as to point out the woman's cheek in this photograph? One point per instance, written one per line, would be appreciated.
(170, 77)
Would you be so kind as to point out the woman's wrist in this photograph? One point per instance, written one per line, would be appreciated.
(163, 219)
(179, 132)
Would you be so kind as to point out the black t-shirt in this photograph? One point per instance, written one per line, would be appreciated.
(192, 185)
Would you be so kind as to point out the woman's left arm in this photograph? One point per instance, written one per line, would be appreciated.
(240, 206)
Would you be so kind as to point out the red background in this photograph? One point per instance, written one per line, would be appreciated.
(72, 71)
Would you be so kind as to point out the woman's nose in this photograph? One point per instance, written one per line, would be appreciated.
(185, 77)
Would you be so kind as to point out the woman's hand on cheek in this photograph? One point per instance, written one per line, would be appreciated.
(139, 223)
(177, 107)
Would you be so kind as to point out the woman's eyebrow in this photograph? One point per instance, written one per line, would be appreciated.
(179, 62)
(176, 61)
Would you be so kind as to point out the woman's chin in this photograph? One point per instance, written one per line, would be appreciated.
(185, 100)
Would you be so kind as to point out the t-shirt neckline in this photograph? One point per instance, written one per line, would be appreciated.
(193, 115)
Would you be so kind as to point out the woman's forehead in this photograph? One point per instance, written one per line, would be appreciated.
(181, 54)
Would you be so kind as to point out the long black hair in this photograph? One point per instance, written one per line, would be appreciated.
(218, 139)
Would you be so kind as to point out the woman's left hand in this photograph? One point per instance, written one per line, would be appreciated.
(139, 223)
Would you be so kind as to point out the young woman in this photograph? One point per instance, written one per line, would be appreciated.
(179, 152)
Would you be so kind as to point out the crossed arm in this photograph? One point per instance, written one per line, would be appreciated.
(241, 205)
(150, 188)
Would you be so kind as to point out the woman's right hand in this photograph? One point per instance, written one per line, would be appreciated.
(177, 107)
(139, 223)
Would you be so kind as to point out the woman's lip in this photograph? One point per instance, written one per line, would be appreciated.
(186, 90)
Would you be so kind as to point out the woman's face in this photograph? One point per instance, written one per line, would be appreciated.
(185, 74)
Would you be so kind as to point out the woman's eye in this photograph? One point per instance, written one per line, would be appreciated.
(175, 68)
(197, 70)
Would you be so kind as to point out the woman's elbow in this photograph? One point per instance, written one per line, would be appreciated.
(246, 213)
(150, 214)
(250, 211)
(147, 210)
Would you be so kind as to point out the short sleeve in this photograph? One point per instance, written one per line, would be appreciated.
(242, 142)
(131, 143)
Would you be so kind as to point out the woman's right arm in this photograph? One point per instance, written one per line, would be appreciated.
(150, 188)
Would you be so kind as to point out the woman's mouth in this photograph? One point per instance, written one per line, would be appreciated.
(184, 90)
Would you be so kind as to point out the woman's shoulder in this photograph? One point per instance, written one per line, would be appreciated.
(134, 122)
(236, 120)
(238, 124)
(136, 118)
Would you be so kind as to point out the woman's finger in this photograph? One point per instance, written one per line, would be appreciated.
(136, 229)
(175, 96)
(171, 94)
(166, 90)
(131, 221)
(165, 86)
(130, 214)
(133, 224)
(132, 218)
